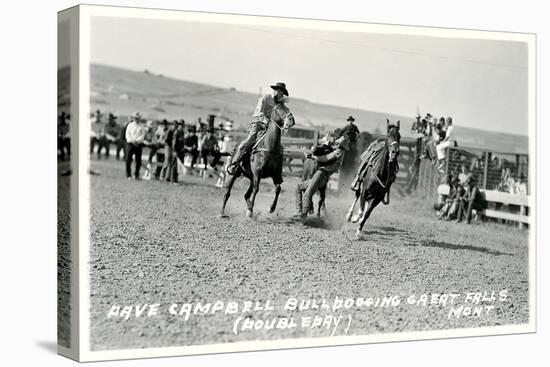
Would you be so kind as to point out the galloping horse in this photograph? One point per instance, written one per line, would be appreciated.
(266, 160)
(381, 171)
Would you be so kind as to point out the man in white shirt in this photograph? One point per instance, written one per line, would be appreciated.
(135, 136)
(448, 141)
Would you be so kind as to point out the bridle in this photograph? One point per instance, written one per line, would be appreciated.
(282, 128)
(386, 199)
(284, 118)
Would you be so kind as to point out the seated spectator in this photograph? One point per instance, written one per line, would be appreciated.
(472, 200)
(436, 133)
(457, 201)
(445, 201)
(507, 182)
(521, 185)
(210, 147)
(448, 140)
(109, 135)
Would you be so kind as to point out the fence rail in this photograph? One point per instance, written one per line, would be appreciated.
(501, 205)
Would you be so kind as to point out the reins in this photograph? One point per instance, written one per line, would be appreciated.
(255, 146)
(386, 199)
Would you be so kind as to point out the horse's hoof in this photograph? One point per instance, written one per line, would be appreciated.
(348, 218)
(249, 213)
(359, 235)
(271, 210)
(355, 218)
(224, 215)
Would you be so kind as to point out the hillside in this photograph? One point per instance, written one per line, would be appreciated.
(156, 96)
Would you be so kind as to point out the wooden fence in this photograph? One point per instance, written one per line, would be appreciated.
(501, 205)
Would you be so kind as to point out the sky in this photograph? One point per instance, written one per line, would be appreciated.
(480, 83)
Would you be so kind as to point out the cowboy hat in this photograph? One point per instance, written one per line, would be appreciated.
(350, 119)
(343, 142)
(280, 86)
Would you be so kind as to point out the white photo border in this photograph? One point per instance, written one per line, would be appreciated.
(85, 12)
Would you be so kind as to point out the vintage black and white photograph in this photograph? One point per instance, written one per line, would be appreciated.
(293, 182)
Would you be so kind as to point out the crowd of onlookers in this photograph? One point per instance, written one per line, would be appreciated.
(437, 135)
(169, 143)
(512, 185)
(463, 198)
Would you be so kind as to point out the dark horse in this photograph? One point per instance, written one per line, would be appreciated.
(266, 160)
(381, 171)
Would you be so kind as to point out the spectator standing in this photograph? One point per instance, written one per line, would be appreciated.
(347, 171)
(168, 153)
(135, 136)
(160, 141)
(226, 147)
(178, 148)
(191, 145)
(96, 131)
(121, 140)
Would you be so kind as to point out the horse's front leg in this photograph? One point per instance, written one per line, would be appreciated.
(248, 193)
(255, 188)
(277, 192)
(362, 204)
(321, 206)
(350, 211)
(227, 194)
(371, 204)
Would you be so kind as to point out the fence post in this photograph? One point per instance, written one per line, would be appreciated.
(522, 212)
(448, 155)
(485, 169)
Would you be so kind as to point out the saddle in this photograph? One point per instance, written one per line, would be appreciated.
(370, 156)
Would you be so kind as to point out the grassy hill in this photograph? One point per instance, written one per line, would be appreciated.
(156, 96)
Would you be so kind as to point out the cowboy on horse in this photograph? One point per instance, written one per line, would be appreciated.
(260, 120)
(261, 154)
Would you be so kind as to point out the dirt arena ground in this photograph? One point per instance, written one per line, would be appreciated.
(159, 243)
(63, 256)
